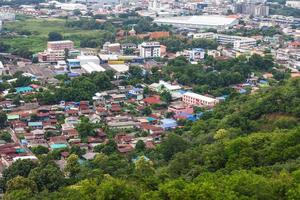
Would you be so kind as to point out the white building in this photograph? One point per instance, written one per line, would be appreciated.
(1, 68)
(207, 35)
(237, 41)
(88, 59)
(150, 49)
(196, 54)
(90, 67)
(194, 99)
(293, 4)
(199, 21)
(7, 16)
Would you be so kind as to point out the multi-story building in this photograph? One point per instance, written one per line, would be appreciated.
(252, 9)
(60, 45)
(207, 35)
(150, 49)
(7, 16)
(237, 41)
(293, 4)
(56, 50)
(193, 99)
(196, 54)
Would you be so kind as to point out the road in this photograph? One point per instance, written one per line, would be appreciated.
(15, 138)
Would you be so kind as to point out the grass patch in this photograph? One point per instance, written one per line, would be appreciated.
(40, 29)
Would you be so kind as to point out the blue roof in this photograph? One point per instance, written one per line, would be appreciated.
(139, 157)
(168, 123)
(24, 89)
(35, 123)
(151, 119)
(72, 74)
(58, 146)
(182, 91)
(263, 82)
(242, 91)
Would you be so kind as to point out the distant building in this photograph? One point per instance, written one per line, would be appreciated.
(56, 51)
(194, 99)
(111, 48)
(150, 49)
(197, 54)
(199, 21)
(238, 42)
(7, 16)
(293, 4)
(252, 9)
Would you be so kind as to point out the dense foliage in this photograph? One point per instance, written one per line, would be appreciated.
(246, 148)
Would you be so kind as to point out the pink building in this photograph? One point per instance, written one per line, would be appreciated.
(55, 51)
(194, 99)
(180, 108)
(60, 45)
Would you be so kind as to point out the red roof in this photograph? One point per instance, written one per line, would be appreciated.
(145, 126)
(124, 148)
(150, 145)
(152, 100)
(159, 34)
(123, 138)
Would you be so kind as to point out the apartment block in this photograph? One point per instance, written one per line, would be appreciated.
(56, 51)
(150, 49)
(193, 99)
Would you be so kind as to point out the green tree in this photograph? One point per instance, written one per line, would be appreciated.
(172, 145)
(39, 150)
(54, 36)
(5, 136)
(166, 96)
(47, 176)
(72, 167)
(140, 146)
(21, 183)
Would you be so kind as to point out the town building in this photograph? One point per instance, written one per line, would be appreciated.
(150, 49)
(293, 4)
(56, 50)
(199, 21)
(7, 16)
(194, 99)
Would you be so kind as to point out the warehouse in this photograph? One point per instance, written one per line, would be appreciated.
(199, 22)
(92, 67)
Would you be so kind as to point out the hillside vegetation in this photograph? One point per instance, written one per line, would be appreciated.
(246, 148)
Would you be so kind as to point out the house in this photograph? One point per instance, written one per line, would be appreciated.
(178, 108)
(18, 126)
(72, 120)
(136, 93)
(94, 118)
(168, 123)
(101, 134)
(121, 122)
(164, 86)
(35, 125)
(151, 128)
(124, 148)
(152, 100)
(12, 117)
(89, 156)
(25, 89)
(58, 142)
(123, 138)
